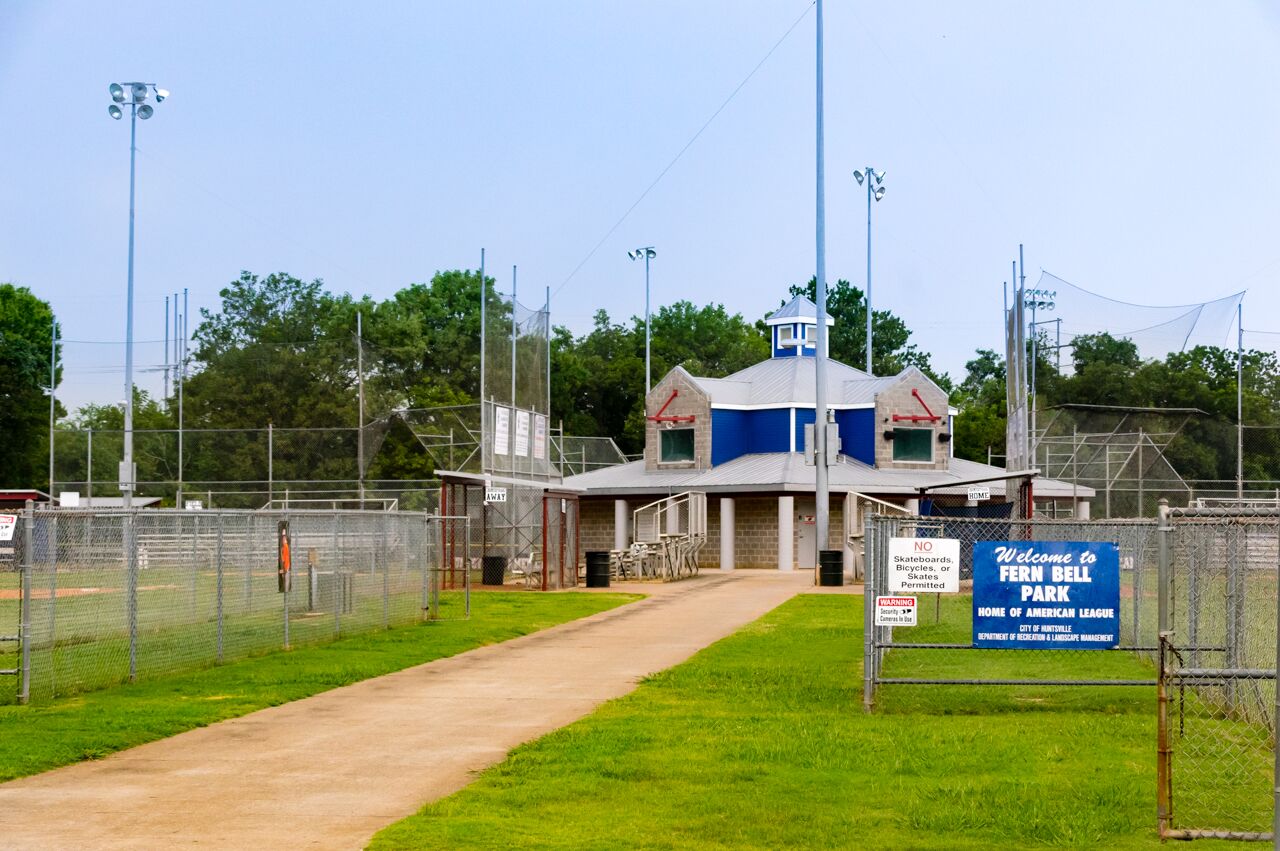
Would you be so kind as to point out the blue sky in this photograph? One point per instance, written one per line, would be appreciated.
(1131, 146)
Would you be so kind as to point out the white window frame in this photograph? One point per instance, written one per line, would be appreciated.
(933, 445)
(693, 457)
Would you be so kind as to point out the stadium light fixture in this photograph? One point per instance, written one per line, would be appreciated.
(648, 254)
(134, 95)
(876, 191)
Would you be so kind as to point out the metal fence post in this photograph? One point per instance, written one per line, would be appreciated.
(386, 569)
(339, 586)
(1275, 812)
(28, 520)
(218, 570)
(1163, 575)
(424, 549)
(131, 590)
(288, 581)
(466, 564)
(869, 574)
(53, 605)
(1164, 816)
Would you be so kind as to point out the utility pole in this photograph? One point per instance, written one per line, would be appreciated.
(822, 518)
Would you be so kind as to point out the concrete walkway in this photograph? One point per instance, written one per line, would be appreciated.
(331, 770)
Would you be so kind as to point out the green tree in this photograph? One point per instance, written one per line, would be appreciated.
(980, 426)
(25, 337)
(280, 351)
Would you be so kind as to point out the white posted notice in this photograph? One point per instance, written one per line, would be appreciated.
(8, 522)
(924, 565)
(895, 611)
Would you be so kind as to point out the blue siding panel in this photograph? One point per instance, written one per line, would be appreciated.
(771, 430)
(730, 433)
(804, 416)
(858, 434)
(738, 433)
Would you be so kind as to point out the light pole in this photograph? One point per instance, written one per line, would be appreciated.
(873, 179)
(133, 95)
(1036, 300)
(648, 254)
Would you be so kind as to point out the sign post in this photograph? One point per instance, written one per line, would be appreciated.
(1046, 595)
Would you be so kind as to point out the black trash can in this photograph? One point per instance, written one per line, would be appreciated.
(492, 569)
(597, 569)
(830, 568)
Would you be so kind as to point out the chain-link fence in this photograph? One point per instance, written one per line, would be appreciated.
(1217, 693)
(524, 533)
(940, 649)
(103, 597)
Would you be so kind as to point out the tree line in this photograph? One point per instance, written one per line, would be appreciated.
(281, 350)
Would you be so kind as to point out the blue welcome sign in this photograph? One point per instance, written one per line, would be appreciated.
(1046, 595)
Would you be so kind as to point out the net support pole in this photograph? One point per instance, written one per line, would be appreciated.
(53, 383)
(1240, 404)
(484, 299)
(360, 403)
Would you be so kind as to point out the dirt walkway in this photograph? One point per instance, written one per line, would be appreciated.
(331, 770)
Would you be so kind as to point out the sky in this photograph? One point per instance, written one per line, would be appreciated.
(1130, 146)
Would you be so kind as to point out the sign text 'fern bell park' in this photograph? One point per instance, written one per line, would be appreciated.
(1046, 595)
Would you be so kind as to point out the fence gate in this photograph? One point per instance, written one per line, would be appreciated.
(1217, 690)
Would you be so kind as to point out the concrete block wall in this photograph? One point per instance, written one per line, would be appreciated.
(597, 524)
(690, 401)
(897, 399)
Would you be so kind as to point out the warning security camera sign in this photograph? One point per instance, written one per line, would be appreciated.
(895, 611)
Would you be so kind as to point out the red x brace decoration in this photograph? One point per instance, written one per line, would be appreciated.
(659, 418)
(918, 418)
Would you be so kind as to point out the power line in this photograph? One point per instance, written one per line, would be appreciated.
(681, 153)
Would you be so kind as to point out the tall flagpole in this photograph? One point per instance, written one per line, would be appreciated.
(822, 519)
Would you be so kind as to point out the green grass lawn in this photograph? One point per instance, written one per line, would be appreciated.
(82, 642)
(760, 741)
(91, 725)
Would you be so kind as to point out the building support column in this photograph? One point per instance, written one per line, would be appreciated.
(620, 517)
(727, 531)
(848, 517)
(786, 533)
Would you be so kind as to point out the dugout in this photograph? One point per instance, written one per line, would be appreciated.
(525, 533)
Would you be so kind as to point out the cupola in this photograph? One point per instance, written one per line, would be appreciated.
(794, 329)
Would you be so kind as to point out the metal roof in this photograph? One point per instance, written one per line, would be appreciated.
(799, 308)
(791, 381)
(786, 471)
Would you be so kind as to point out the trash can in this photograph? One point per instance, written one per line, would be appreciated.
(492, 569)
(597, 568)
(830, 567)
